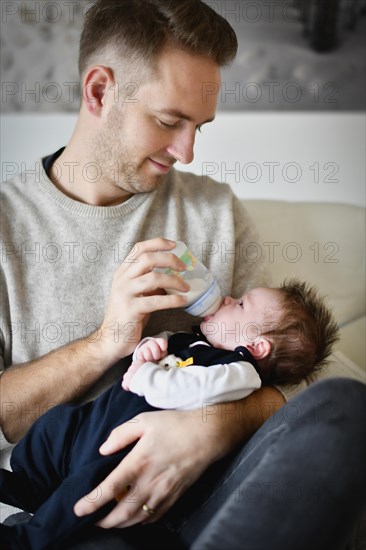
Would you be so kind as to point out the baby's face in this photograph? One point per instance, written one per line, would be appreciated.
(240, 322)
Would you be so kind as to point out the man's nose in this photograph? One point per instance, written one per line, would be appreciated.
(182, 146)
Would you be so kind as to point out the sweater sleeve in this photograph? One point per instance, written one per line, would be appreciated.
(191, 387)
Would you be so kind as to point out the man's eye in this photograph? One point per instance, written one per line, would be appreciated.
(165, 124)
(199, 129)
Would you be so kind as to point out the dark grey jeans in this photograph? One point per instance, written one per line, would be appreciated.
(298, 483)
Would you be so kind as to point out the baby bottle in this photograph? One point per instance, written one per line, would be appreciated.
(204, 296)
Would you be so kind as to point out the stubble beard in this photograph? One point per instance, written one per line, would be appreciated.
(117, 165)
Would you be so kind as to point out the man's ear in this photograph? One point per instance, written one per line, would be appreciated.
(261, 348)
(97, 82)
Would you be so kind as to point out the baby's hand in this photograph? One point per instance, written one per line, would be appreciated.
(127, 377)
(152, 350)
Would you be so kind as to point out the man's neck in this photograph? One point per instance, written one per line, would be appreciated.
(68, 175)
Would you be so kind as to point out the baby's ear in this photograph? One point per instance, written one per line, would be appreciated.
(261, 348)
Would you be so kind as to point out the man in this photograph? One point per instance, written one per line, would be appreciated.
(72, 308)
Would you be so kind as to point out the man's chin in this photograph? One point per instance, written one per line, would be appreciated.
(145, 184)
(151, 184)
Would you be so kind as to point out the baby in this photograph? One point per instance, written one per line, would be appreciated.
(285, 334)
(269, 336)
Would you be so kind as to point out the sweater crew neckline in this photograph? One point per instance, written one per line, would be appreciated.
(87, 210)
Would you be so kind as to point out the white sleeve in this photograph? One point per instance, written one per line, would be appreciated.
(166, 334)
(191, 387)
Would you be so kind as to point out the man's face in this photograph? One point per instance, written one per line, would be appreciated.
(143, 137)
(240, 322)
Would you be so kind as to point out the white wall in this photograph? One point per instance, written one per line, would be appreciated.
(276, 155)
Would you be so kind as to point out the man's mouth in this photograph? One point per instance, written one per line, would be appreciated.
(161, 167)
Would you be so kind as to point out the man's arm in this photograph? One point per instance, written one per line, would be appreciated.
(188, 442)
(28, 390)
(237, 421)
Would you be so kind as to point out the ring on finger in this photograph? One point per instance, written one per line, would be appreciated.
(146, 508)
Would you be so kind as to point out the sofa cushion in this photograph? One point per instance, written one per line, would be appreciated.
(352, 342)
(322, 243)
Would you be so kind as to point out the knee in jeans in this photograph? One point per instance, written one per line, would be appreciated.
(328, 402)
(345, 394)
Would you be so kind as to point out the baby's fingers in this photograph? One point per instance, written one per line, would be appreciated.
(156, 349)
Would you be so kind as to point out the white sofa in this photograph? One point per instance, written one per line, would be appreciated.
(324, 244)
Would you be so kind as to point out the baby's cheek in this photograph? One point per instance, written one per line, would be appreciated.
(252, 331)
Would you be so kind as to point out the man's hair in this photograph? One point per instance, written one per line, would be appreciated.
(137, 30)
(302, 338)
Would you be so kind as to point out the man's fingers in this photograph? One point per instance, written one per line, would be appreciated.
(122, 436)
(150, 260)
(151, 245)
(159, 496)
(110, 488)
(128, 507)
(150, 283)
(148, 304)
(154, 280)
